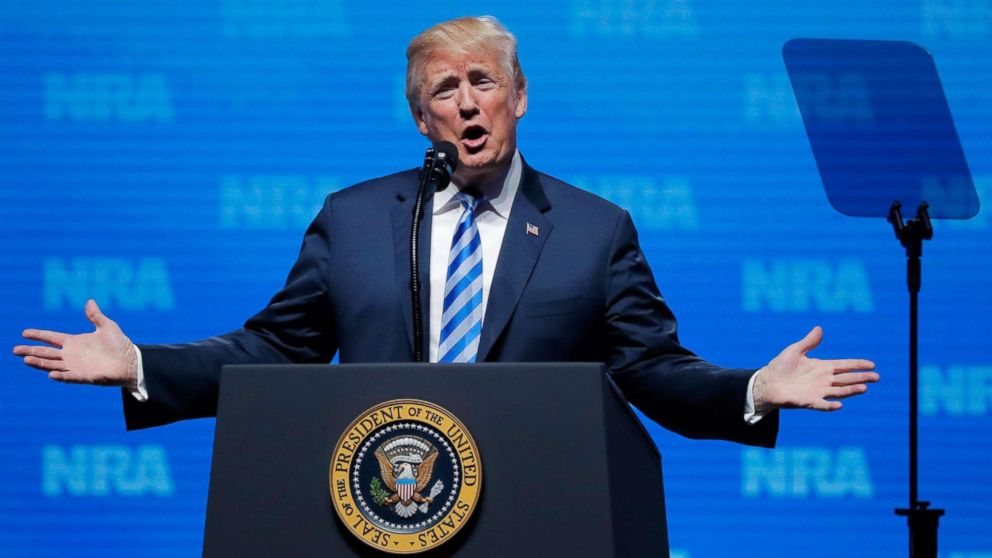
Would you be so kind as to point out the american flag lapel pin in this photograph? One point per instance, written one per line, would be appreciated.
(533, 230)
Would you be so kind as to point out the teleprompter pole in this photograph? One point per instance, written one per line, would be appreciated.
(922, 520)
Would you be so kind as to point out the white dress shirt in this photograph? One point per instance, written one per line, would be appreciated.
(491, 217)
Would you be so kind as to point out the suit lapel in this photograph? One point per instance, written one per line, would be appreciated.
(517, 257)
(402, 216)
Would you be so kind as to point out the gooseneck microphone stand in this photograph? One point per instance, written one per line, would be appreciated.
(440, 162)
(921, 518)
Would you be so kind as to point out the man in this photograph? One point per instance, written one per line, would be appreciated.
(522, 267)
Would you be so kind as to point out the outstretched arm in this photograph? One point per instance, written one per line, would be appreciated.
(663, 379)
(690, 396)
(182, 381)
(105, 357)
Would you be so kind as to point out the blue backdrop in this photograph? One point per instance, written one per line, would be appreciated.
(164, 158)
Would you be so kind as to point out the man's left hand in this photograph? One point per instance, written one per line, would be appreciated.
(793, 380)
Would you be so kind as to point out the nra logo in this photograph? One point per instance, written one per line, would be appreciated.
(833, 98)
(667, 204)
(806, 472)
(769, 99)
(633, 18)
(107, 97)
(802, 285)
(957, 19)
(140, 284)
(105, 470)
(956, 391)
(283, 19)
(272, 201)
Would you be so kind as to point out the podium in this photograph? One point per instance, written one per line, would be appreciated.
(568, 470)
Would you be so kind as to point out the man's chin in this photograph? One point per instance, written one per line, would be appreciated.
(484, 161)
(480, 166)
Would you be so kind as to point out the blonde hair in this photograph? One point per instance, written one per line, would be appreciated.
(464, 35)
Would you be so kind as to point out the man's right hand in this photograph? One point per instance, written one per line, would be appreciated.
(105, 357)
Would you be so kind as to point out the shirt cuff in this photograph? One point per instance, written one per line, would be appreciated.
(750, 416)
(141, 393)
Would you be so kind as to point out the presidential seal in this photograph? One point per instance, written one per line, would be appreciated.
(405, 476)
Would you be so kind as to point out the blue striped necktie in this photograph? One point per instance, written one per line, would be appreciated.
(461, 320)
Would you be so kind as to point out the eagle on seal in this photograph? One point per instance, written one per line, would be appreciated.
(407, 473)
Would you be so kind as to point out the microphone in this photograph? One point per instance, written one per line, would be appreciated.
(440, 163)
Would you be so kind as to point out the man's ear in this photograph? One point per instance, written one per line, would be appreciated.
(419, 118)
(521, 109)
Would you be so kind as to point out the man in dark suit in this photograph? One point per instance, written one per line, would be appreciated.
(522, 267)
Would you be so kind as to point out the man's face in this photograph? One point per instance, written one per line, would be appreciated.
(469, 100)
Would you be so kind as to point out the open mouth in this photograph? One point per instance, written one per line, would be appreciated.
(474, 137)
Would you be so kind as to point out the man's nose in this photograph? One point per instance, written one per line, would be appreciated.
(467, 105)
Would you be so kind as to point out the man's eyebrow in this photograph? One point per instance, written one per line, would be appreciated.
(441, 79)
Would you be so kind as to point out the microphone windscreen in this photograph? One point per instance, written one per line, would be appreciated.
(450, 153)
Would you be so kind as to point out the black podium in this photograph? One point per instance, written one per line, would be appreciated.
(568, 468)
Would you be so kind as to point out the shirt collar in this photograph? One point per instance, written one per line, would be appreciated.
(500, 204)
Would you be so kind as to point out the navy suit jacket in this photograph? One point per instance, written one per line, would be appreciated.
(580, 290)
